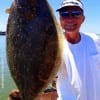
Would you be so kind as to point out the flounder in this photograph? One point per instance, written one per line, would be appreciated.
(34, 50)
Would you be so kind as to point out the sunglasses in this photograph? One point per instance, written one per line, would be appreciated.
(73, 14)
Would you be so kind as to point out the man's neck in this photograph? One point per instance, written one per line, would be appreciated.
(73, 37)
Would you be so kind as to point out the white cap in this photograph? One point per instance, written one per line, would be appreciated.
(66, 3)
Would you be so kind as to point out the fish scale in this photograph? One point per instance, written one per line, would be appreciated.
(34, 46)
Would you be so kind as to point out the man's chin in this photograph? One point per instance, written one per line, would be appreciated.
(69, 32)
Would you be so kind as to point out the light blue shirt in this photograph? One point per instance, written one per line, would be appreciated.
(79, 74)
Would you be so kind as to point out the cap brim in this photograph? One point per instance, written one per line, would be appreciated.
(61, 8)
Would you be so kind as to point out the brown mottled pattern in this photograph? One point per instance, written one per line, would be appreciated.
(33, 46)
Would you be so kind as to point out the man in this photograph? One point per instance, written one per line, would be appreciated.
(79, 74)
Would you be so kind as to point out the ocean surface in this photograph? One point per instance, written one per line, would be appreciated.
(6, 81)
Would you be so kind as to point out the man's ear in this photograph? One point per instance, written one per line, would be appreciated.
(83, 18)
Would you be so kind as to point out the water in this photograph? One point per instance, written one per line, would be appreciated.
(6, 81)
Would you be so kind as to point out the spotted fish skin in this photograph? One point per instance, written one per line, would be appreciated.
(33, 46)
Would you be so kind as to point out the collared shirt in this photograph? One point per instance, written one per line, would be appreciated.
(79, 74)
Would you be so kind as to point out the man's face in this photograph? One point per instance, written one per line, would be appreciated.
(71, 19)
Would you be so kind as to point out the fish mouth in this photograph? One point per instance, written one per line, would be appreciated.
(8, 10)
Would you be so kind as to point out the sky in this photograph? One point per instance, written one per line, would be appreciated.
(91, 10)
